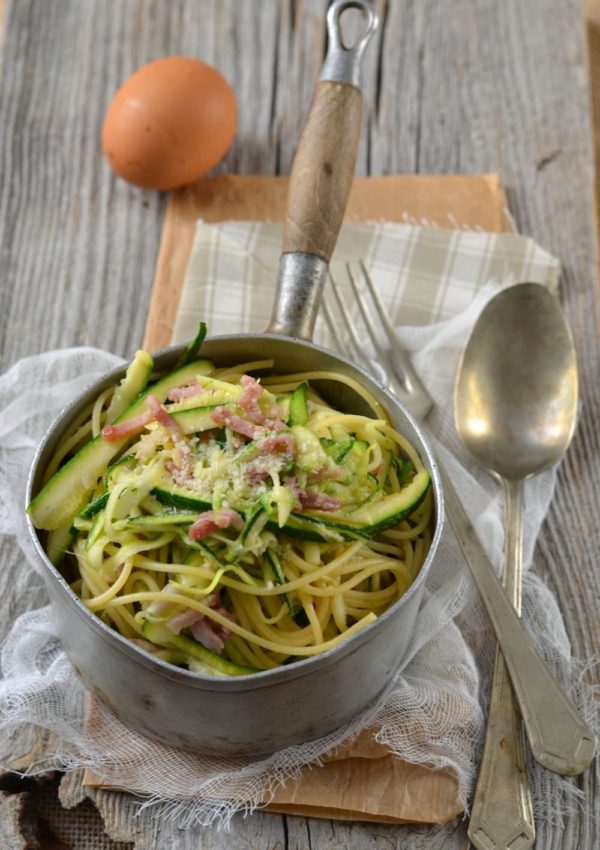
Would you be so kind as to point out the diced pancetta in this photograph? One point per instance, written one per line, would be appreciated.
(210, 521)
(163, 418)
(166, 420)
(319, 501)
(224, 416)
(129, 428)
(226, 517)
(209, 634)
(183, 620)
(222, 631)
(277, 444)
(181, 393)
(248, 400)
(156, 412)
(204, 632)
(187, 618)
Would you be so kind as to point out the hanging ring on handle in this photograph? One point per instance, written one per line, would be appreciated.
(342, 64)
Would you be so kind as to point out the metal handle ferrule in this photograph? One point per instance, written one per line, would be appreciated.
(300, 283)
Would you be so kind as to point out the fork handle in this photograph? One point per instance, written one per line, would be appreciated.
(559, 739)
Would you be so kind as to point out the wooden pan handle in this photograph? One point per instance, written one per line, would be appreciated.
(321, 177)
(323, 169)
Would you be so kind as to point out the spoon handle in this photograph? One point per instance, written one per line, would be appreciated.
(558, 737)
(502, 813)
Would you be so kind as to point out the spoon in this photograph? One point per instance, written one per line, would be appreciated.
(515, 408)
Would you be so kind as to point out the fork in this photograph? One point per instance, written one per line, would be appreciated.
(505, 817)
(396, 373)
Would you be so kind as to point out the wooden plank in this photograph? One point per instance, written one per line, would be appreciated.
(16, 830)
(592, 13)
(124, 822)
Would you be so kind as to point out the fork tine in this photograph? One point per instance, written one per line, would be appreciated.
(337, 342)
(350, 326)
(371, 329)
(379, 308)
(395, 363)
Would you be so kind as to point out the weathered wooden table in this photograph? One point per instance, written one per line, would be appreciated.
(461, 86)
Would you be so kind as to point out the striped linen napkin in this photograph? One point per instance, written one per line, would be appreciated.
(424, 275)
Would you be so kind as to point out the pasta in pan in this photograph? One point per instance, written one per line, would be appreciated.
(231, 524)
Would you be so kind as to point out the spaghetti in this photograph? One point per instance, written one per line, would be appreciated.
(232, 525)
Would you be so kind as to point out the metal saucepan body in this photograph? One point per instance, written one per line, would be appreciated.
(264, 711)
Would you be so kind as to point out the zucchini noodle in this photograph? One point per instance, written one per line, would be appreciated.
(232, 525)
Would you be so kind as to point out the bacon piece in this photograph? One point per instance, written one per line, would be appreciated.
(205, 634)
(185, 456)
(273, 420)
(187, 618)
(275, 425)
(222, 631)
(277, 444)
(318, 501)
(210, 521)
(163, 418)
(203, 527)
(224, 416)
(226, 517)
(134, 426)
(129, 428)
(248, 400)
(209, 634)
(212, 635)
(183, 620)
(181, 393)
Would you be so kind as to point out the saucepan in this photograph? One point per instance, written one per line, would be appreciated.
(271, 709)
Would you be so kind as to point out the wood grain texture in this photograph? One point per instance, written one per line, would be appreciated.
(467, 86)
(322, 170)
(14, 834)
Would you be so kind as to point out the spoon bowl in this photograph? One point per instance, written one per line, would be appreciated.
(516, 392)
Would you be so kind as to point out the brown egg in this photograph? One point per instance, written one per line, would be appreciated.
(169, 123)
